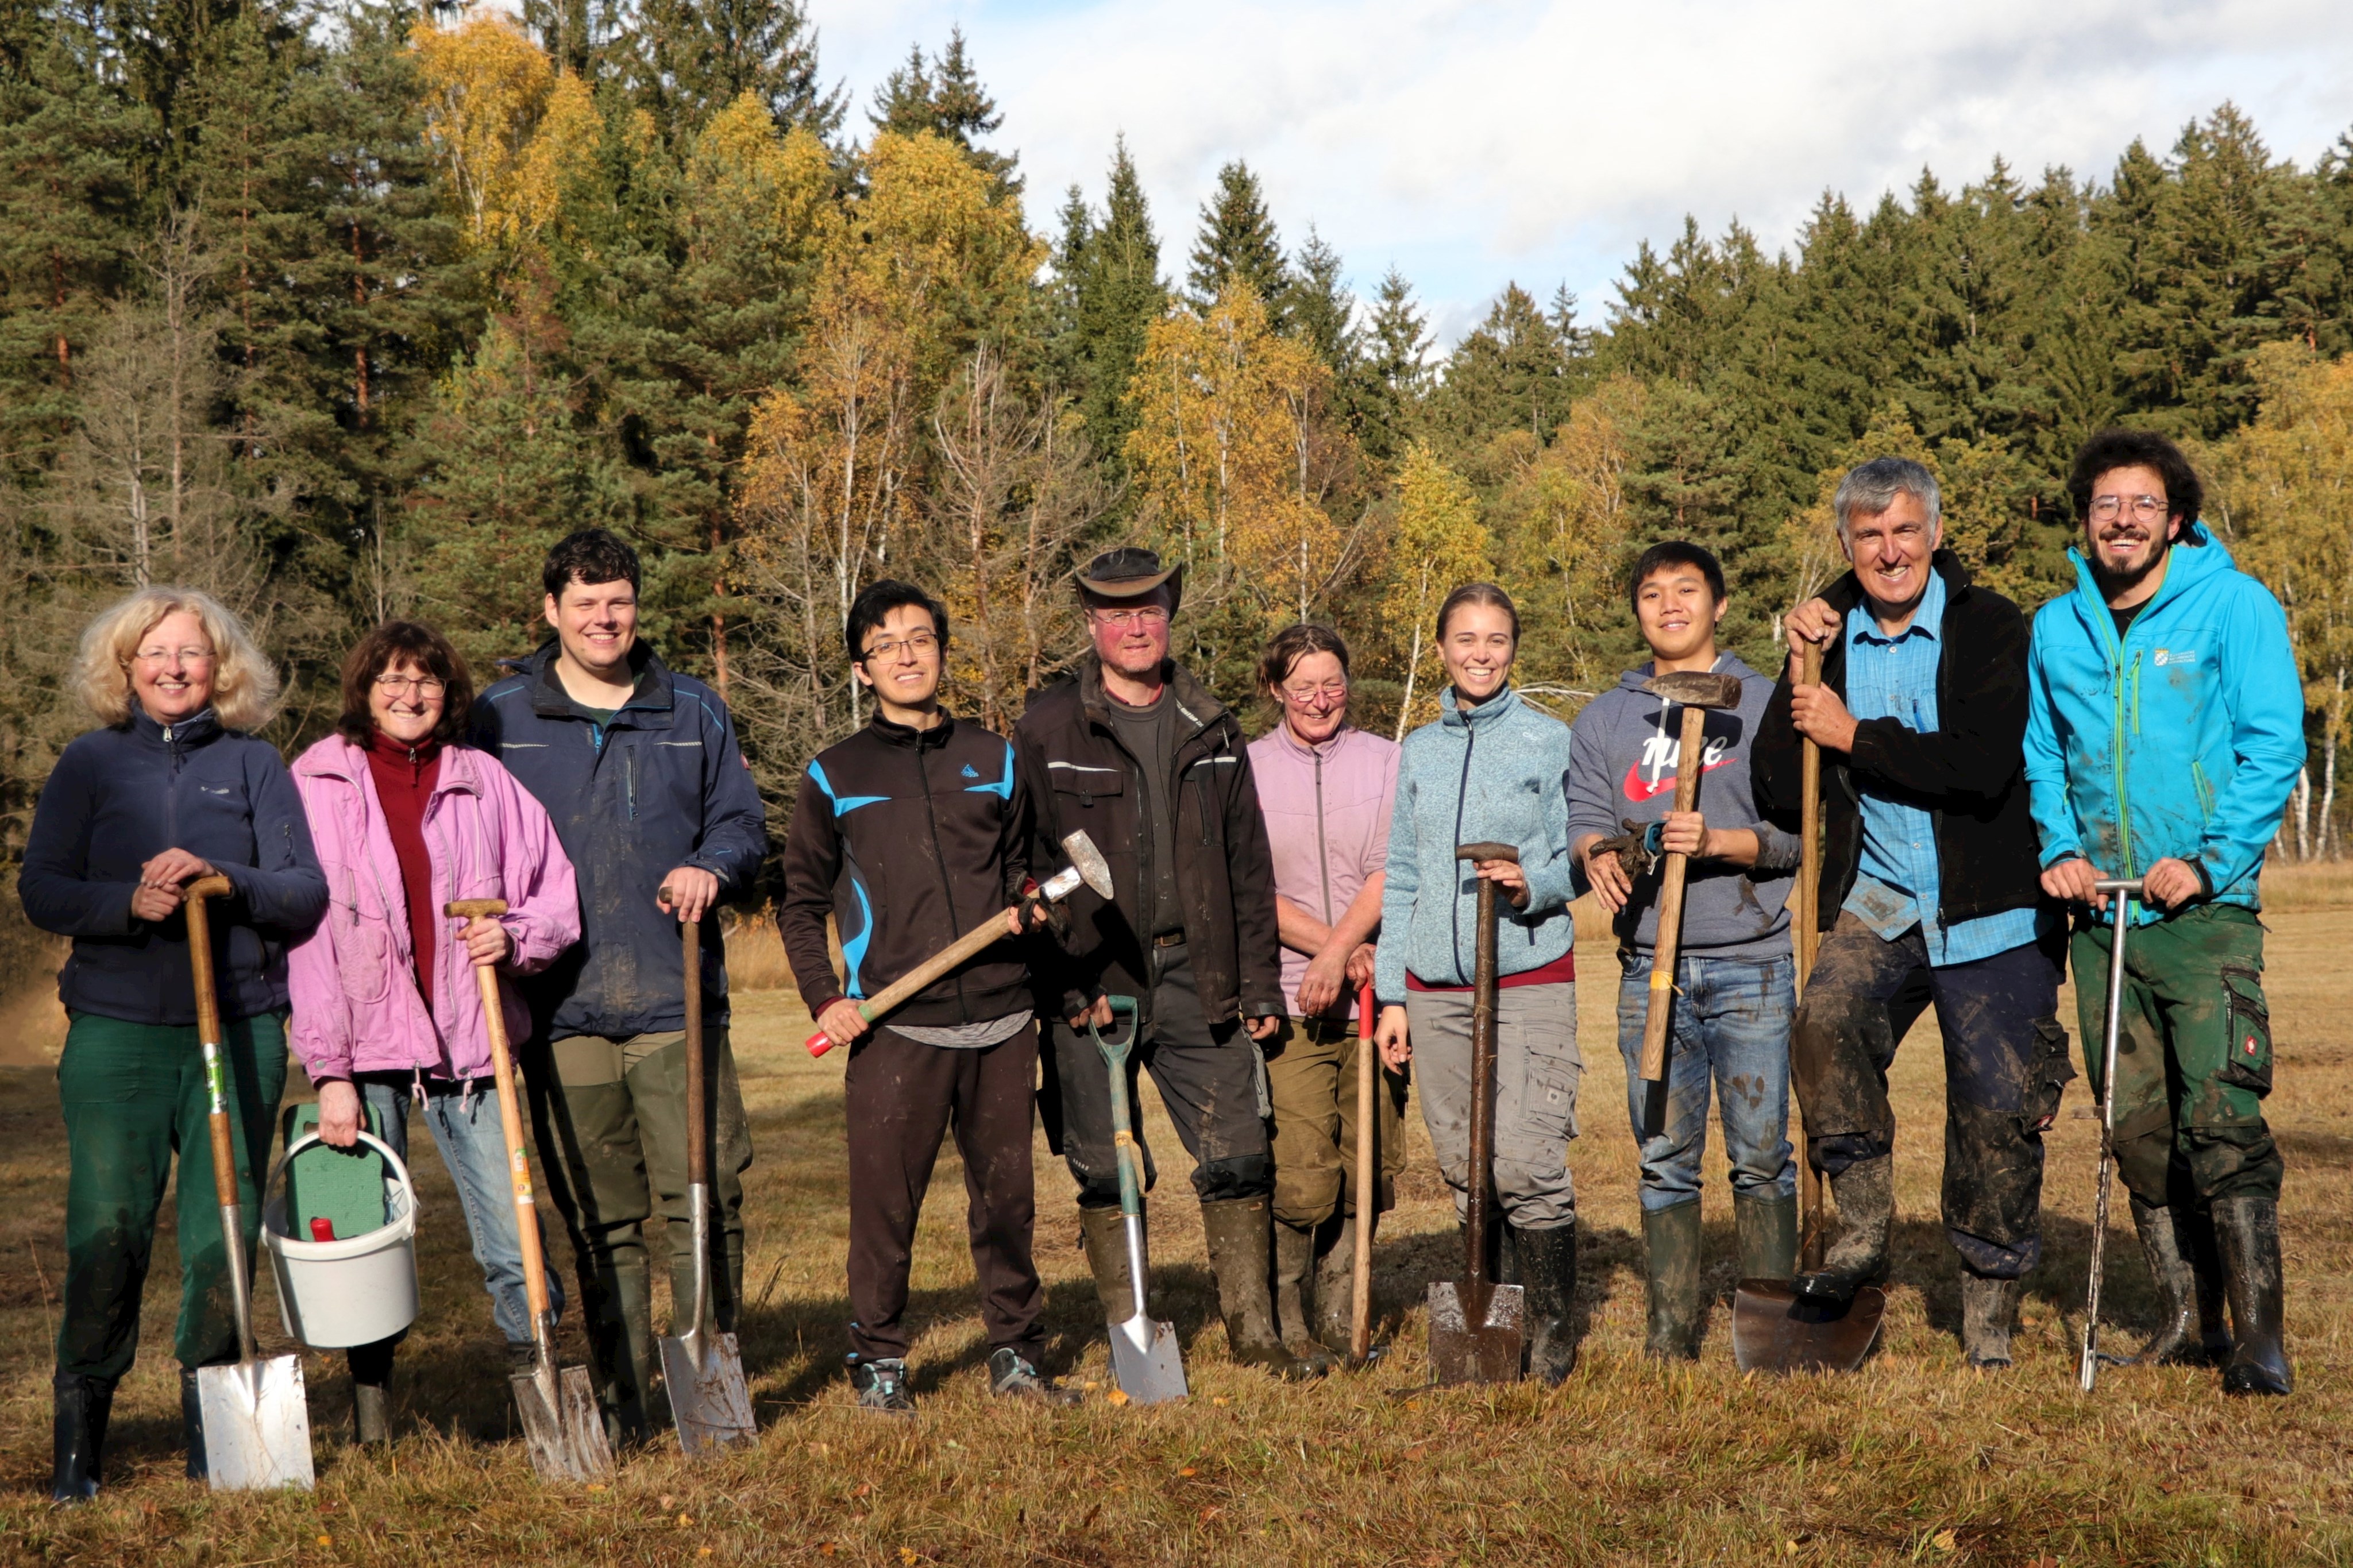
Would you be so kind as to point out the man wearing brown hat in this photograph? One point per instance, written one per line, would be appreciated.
(1134, 752)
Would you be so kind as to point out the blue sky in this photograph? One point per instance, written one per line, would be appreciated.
(1474, 141)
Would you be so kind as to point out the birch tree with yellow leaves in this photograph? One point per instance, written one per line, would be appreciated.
(1439, 543)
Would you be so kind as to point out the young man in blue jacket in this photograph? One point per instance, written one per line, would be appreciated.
(638, 765)
(2165, 655)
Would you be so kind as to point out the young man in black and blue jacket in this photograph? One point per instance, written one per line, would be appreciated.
(639, 767)
(909, 834)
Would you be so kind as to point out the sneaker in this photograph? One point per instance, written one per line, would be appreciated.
(881, 1384)
(1010, 1374)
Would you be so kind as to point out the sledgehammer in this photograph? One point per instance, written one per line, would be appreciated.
(1698, 690)
(1087, 866)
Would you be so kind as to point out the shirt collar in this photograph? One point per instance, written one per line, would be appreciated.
(1927, 620)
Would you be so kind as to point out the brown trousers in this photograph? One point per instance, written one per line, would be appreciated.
(1311, 1075)
(902, 1096)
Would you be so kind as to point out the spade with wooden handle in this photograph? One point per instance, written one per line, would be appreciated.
(1087, 868)
(561, 1425)
(1369, 1205)
(1698, 690)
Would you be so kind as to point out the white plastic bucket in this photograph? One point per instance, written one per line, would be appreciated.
(354, 1291)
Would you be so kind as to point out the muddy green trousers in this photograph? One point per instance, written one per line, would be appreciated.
(1311, 1076)
(612, 1113)
(2193, 1053)
(133, 1096)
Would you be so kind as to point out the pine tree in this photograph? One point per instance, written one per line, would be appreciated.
(1321, 311)
(1394, 374)
(945, 97)
(1517, 371)
(1111, 270)
(1238, 240)
(682, 61)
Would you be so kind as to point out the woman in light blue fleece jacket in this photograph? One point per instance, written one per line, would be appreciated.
(1490, 768)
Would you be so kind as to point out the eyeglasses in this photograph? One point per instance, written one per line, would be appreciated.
(166, 655)
(2144, 509)
(1149, 615)
(1301, 696)
(923, 645)
(423, 685)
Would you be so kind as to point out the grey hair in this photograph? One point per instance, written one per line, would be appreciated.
(1872, 488)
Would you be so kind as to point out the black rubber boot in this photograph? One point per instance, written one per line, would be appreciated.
(1335, 1284)
(1548, 1269)
(2206, 1265)
(2247, 1227)
(1237, 1231)
(1768, 1230)
(1103, 1233)
(1988, 1309)
(83, 1404)
(2165, 1245)
(371, 1368)
(192, 1425)
(1866, 1192)
(1294, 1258)
(1670, 1243)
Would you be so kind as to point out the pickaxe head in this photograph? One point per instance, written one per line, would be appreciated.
(1696, 689)
(1088, 862)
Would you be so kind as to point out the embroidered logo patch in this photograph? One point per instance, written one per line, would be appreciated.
(970, 772)
(2176, 656)
(2251, 1045)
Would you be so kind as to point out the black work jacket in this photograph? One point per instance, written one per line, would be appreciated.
(1082, 776)
(1970, 775)
(908, 839)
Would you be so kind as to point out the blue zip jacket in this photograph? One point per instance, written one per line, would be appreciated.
(1499, 772)
(2181, 739)
(663, 785)
(121, 796)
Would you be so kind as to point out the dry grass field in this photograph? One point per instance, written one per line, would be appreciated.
(1913, 1458)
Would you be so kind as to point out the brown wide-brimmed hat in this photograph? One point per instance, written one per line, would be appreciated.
(1130, 572)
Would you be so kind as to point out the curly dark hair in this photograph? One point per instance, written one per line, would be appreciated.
(589, 556)
(389, 647)
(2119, 449)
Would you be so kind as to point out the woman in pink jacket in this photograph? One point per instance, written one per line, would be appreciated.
(385, 1007)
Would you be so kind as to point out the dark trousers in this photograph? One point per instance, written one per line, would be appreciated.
(133, 1096)
(1208, 1076)
(900, 1096)
(2005, 1063)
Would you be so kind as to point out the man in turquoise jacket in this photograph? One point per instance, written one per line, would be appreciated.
(2165, 729)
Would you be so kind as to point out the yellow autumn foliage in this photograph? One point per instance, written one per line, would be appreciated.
(1439, 545)
(487, 87)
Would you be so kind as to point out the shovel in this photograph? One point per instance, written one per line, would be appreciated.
(703, 1368)
(1143, 1354)
(1773, 1328)
(1087, 867)
(1475, 1333)
(2123, 893)
(1698, 690)
(257, 1420)
(1360, 1299)
(561, 1425)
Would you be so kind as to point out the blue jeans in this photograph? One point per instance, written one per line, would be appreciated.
(1731, 1020)
(473, 1148)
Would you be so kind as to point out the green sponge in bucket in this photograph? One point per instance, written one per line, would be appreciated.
(344, 1187)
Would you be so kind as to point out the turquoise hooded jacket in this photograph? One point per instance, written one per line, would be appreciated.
(2181, 739)
(1497, 772)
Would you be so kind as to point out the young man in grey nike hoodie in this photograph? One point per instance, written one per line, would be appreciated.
(1734, 996)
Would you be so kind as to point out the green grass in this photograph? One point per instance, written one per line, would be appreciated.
(1912, 1459)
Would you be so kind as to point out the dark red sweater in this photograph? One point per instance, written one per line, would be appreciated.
(404, 782)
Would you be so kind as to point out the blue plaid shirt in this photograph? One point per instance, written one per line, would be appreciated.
(1896, 885)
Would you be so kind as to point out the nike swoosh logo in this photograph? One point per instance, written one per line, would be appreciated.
(1640, 788)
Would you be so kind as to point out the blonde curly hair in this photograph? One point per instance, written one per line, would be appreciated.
(245, 686)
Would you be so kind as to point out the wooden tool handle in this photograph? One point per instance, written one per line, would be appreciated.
(1812, 1231)
(985, 935)
(526, 1205)
(1690, 762)
(474, 908)
(1360, 1300)
(698, 1141)
(208, 1028)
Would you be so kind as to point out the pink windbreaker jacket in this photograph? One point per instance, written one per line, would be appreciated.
(356, 1002)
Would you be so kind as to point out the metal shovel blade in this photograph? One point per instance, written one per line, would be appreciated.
(706, 1392)
(561, 1425)
(1774, 1329)
(1468, 1345)
(1147, 1362)
(257, 1425)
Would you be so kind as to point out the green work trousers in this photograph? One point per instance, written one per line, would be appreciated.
(133, 1096)
(2193, 1053)
(614, 1113)
(1311, 1076)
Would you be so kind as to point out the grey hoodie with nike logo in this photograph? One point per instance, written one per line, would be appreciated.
(1622, 763)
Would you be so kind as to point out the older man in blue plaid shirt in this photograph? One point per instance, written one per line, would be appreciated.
(1929, 894)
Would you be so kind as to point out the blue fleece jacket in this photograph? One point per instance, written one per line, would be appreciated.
(2182, 738)
(1496, 771)
(119, 797)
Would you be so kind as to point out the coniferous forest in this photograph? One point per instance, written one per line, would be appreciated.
(347, 309)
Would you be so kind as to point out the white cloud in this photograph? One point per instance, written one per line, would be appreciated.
(1471, 144)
